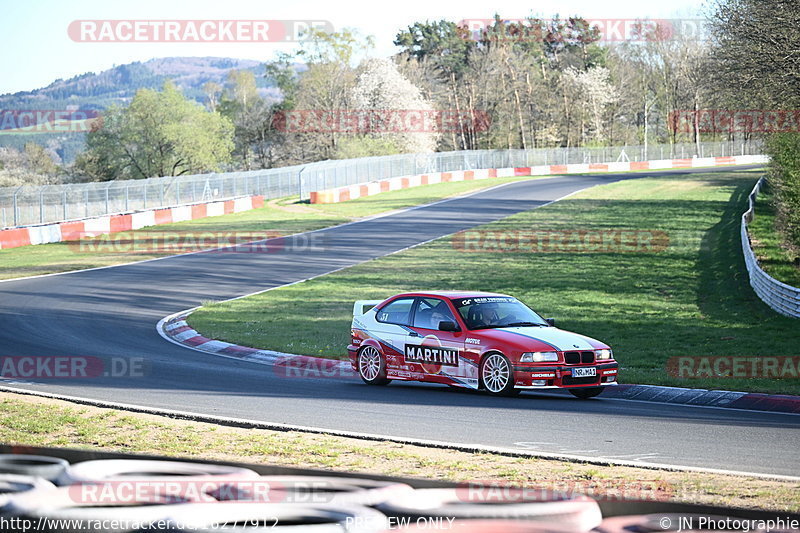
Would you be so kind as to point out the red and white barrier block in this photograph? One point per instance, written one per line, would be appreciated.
(90, 227)
(351, 192)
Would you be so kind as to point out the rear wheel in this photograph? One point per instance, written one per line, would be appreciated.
(588, 392)
(497, 376)
(372, 366)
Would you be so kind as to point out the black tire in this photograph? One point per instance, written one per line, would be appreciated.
(588, 392)
(372, 366)
(497, 375)
(43, 466)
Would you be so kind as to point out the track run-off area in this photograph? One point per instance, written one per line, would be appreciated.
(111, 314)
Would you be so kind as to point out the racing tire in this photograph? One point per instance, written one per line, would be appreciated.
(372, 366)
(49, 468)
(588, 392)
(110, 470)
(497, 375)
(540, 508)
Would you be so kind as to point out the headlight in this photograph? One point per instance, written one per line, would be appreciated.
(538, 357)
(603, 354)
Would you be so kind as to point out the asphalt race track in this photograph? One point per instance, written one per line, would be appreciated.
(112, 312)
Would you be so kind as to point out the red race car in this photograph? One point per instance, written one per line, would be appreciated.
(475, 340)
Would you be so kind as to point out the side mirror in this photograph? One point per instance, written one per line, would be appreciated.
(447, 325)
(551, 321)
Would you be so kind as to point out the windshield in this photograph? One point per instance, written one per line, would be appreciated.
(496, 312)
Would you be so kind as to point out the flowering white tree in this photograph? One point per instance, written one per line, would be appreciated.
(594, 92)
(380, 86)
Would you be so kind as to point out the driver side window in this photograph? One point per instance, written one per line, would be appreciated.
(431, 311)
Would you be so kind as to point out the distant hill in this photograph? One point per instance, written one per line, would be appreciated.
(118, 85)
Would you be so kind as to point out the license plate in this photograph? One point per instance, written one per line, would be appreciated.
(584, 372)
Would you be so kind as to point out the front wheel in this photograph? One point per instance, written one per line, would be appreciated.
(588, 392)
(372, 366)
(497, 376)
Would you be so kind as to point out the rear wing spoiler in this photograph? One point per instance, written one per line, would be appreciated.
(362, 306)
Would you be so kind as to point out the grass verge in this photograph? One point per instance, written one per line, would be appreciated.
(692, 298)
(773, 255)
(33, 421)
(283, 217)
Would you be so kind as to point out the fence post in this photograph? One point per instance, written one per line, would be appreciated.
(41, 204)
(16, 206)
(65, 216)
(127, 187)
(301, 183)
(107, 187)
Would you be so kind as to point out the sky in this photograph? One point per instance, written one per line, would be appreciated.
(36, 49)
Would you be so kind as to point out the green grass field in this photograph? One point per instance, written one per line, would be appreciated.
(772, 253)
(64, 257)
(692, 298)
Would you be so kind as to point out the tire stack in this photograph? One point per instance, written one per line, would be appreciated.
(49, 495)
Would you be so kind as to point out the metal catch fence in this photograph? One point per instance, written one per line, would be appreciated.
(31, 205)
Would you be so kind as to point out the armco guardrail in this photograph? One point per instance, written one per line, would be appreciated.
(29, 205)
(781, 297)
(103, 225)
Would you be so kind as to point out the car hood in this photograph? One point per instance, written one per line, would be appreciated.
(560, 339)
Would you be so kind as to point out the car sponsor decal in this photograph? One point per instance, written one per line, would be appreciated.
(431, 355)
(460, 302)
(470, 340)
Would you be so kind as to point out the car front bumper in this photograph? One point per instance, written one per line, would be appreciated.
(560, 376)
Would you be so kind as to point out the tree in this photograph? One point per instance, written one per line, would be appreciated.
(159, 134)
(755, 59)
(212, 91)
(756, 52)
(593, 93)
(325, 86)
(380, 86)
(39, 160)
(447, 47)
(33, 165)
(242, 105)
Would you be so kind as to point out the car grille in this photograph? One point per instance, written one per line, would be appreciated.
(576, 358)
(569, 380)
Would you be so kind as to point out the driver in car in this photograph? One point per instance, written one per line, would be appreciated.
(484, 315)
